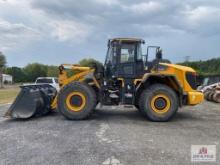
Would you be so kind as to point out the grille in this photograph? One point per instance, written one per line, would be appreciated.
(191, 79)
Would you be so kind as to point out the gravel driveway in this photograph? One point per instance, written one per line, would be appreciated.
(111, 136)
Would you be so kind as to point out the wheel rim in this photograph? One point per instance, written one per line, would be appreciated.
(160, 103)
(75, 101)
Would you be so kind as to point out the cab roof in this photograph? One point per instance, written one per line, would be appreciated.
(128, 39)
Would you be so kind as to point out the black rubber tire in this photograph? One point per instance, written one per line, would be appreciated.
(149, 93)
(86, 90)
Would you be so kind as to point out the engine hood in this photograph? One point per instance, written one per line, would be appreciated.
(179, 67)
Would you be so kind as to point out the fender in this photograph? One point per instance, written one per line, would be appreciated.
(167, 79)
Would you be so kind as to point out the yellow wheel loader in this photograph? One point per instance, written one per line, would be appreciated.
(128, 77)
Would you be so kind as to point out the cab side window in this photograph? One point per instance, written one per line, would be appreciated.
(139, 53)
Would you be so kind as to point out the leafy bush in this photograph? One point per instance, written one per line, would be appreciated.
(209, 67)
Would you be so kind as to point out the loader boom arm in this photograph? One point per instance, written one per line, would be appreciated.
(80, 73)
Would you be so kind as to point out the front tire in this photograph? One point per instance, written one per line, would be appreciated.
(158, 102)
(76, 101)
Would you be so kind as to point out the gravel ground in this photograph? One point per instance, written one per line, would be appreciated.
(111, 136)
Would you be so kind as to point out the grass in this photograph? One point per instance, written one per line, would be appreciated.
(8, 94)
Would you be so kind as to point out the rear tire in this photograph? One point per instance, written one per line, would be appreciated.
(76, 101)
(158, 103)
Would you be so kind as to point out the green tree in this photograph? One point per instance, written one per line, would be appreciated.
(17, 74)
(35, 70)
(2, 65)
(209, 67)
(89, 62)
(52, 71)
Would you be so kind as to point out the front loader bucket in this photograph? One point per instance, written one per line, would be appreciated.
(33, 100)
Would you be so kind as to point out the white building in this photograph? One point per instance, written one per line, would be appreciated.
(7, 78)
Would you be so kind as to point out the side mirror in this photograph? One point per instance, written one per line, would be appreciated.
(159, 54)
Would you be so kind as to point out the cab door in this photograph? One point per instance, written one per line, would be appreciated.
(126, 60)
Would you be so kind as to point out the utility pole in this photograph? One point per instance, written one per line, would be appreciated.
(187, 58)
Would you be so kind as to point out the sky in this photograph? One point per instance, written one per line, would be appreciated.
(54, 31)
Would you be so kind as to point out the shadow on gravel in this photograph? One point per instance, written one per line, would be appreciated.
(49, 115)
(185, 116)
(102, 114)
(134, 115)
(109, 114)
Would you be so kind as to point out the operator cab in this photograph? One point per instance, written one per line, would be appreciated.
(125, 59)
(124, 63)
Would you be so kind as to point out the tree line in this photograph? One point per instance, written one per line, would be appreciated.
(208, 67)
(30, 72)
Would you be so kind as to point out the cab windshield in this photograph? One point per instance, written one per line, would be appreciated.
(127, 53)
